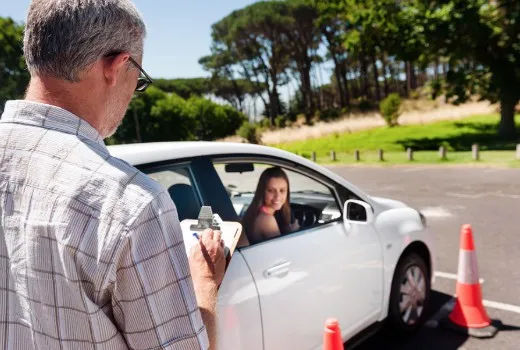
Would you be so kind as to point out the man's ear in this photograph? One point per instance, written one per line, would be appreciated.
(112, 66)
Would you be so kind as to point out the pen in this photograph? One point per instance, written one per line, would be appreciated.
(195, 235)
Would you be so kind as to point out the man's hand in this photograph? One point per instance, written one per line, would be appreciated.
(207, 260)
(207, 266)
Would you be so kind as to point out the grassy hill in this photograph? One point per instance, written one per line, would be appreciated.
(457, 136)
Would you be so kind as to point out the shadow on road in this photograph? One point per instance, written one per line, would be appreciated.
(425, 338)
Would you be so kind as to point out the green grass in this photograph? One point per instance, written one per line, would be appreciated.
(457, 136)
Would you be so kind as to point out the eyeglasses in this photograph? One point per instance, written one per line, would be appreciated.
(144, 79)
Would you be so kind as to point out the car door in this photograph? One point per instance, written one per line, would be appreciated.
(191, 184)
(322, 270)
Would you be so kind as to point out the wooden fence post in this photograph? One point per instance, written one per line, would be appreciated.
(442, 152)
(333, 155)
(380, 155)
(409, 153)
(518, 151)
(313, 156)
(356, 155)
(475, 151)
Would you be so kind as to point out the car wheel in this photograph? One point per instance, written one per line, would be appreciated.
(410, 294)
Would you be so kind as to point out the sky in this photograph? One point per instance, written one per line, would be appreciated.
(179, 31)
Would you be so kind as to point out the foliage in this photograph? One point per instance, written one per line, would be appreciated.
(389, 109)
(485, 58)
(185, 88)
(13, 72)
(250, 132)
(213, 121)
(280, 121)
(159, 116)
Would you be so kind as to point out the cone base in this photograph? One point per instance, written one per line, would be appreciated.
(471, 317)
(484, 332)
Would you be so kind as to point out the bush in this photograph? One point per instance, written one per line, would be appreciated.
(265, 123)
(435, 86)
(365, 105)
(250, 132)
(171, 120)
(389, 109)
(280, 121)
(329, 114)
(213, 120)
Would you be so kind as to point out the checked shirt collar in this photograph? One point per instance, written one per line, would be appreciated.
(53, 118)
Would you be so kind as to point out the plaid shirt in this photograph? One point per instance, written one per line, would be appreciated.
(91, 250)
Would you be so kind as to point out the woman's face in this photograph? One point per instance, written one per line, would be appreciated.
(275, 193)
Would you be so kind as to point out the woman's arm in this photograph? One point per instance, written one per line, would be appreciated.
(265, 227)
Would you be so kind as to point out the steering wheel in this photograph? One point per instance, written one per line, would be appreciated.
(305, 216)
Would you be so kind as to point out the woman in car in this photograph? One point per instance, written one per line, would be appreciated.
(269, 214)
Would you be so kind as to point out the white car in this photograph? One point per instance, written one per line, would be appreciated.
(360, 259)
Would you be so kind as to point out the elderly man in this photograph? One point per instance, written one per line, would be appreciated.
(91, 251)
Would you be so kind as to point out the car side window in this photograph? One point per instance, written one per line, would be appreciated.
(312, 203)
(180, 185)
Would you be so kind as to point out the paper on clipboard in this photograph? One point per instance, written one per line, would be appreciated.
(191, 228)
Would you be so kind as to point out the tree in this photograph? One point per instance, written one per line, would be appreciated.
(304, 38)
(14, 76)
(480, 38)
(251, 43)
(186, 87)
(333, 29)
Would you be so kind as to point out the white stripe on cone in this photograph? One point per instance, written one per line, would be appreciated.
(468, 269)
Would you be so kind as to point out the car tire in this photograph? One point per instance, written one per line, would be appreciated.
(410, 294)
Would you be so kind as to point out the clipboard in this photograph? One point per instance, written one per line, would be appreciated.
(191, 228)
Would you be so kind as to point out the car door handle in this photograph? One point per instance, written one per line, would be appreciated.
(278, 270)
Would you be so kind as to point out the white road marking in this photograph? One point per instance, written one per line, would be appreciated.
(436, 212)
(451, 276)
(487, 303)
(446, 309)
(483, 194)
(501, 306)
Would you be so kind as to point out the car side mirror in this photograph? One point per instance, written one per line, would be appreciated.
(357, 212)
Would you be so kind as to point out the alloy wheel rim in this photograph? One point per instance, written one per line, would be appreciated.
(412, 294)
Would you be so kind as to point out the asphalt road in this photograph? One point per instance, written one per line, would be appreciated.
(486, 198)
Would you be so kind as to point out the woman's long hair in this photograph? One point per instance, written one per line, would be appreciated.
(283, 215)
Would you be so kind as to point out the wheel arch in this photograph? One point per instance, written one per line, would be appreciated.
(419, 248)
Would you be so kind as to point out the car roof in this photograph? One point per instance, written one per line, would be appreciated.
(152, 152)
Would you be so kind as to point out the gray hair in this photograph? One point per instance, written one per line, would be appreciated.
(64, 37)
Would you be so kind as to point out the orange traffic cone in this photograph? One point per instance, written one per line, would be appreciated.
(469, 315)
(332, 335)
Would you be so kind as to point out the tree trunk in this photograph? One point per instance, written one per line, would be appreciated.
(307, 94)
(376, 78)
(385, 71)
(413, 76)
(339, 80)
(364, 78)
(344, 76)
(394, 78)
(273, 104)
(507, 127)
(408, 78)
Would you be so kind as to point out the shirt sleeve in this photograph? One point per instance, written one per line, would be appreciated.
(153, 299)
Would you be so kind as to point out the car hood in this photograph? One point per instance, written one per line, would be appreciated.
(386, 203)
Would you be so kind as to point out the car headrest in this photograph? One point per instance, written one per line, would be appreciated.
(185, 200)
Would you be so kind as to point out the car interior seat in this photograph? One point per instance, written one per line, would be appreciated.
(183, 195)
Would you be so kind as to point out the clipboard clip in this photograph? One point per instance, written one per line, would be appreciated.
(207, 220)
